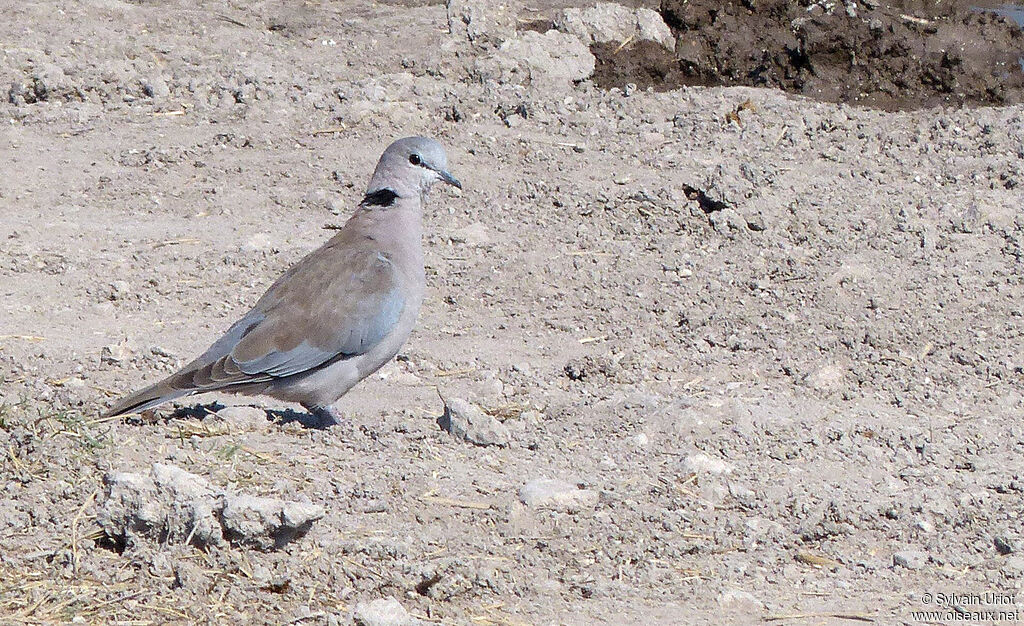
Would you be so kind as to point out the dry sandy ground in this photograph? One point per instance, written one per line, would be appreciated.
(780, 340)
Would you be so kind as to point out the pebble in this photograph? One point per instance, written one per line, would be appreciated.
(704, 464)
(548, 493)
(910, 559)
(259, 242)
(468, 422)
(1013, 567)
(115, 354)
(475, 234)
(242, 418)
(1004, 544)
(155, 87)
(737, 599)
(321, 200)
(383, 612)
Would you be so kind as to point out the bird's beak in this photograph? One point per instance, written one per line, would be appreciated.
(448, 178)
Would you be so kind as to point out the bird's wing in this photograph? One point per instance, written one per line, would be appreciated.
(338, 302)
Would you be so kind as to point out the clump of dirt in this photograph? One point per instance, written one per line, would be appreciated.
(900, 55)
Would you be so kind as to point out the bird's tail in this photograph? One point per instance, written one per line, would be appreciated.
(163, 391)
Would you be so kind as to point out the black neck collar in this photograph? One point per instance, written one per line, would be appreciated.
(382, 198)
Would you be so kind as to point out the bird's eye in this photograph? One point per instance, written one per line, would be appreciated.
(415, 159)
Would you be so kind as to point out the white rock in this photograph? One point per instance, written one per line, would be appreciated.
(259, 242)
(468, 422)
(610, 22)
(383, 612)
(115, 354)
(704, 464)
(242, 418)
(737, 599)
(910, 559)
(171, 506)
(828, 378)
(475, 234)
(156, 87)
(548, 493)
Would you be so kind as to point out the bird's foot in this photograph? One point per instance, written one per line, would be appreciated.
(325, 416)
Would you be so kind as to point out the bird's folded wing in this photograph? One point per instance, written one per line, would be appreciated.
(333, 304)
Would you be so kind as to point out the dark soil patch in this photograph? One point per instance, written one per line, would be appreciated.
(902, 55)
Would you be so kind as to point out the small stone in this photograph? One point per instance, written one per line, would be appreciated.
(321, 200)
(242, 418)
(1013, 566)
(49, 81)
(468, 422)
(1004, 544)
(115, 354)
(119, 289)
(910, 559)
(704, 464)
(266, 523)
(383, 612)
(474, 234)
(162, 352)
(828, 378)
(547, 493)
(737, 599)
(155, 87)
(259, 242)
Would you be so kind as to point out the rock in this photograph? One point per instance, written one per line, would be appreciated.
(611, 22)
(1005, 544)
(321, 200)
(18, 94)
(910, 559)
(155, 87)
(738, 600)
(241, 418)
(49, 81)
(704, 464)
(266, 523)
(474, 234)
(1013, 567)
(115, 354)
(553, 58)
(468, 422)
(171, 506)
(547, 493)
(383, 612)
(828, 378)
(259, 242)
(13, 517)
(119, 289)
(168, 506)
(480, 22)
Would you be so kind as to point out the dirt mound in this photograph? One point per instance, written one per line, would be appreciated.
(902, 55)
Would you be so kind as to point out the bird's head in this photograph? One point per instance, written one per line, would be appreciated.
(410, 167)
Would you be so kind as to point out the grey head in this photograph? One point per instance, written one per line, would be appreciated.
(408, 168)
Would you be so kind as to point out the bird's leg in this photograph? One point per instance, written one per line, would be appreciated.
(325, 415)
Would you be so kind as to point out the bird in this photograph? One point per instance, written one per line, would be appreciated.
(336, 316)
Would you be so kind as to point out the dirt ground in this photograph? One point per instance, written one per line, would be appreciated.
(895, 55)
(773, 345)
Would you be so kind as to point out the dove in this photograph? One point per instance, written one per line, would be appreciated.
(337, 315)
